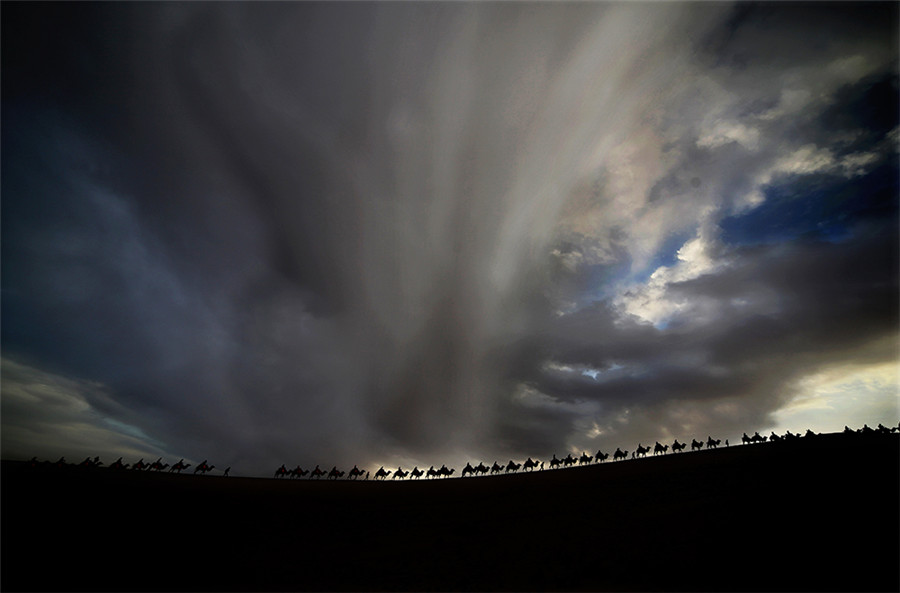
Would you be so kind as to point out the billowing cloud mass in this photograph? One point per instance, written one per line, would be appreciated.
(428, 232)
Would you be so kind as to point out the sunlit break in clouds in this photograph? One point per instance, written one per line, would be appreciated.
(424, 233)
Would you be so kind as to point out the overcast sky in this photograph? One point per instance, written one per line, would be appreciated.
(426, 233)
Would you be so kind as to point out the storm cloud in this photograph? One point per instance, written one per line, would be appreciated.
(423, 232)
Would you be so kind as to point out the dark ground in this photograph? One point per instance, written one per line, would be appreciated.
(820, 514)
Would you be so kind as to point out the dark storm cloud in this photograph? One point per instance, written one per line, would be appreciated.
(342, 233)
(775, 313)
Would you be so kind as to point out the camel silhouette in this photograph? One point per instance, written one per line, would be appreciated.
(496, 468)
(432, 473)
(179, 466)
(529, 465)
(416, 473)
(203, 467)
(355, 473)
(585, 459)
(512, 466)
(281, 472)
(695, 444)
(657, 449)
(676, 446)
(117, 464)
(601, 456)
(554, 463)
(158, 465)
(88, 462)
(468, 470)
(297, 472)
(400, 473)
(334, 474)
(382, 474)
(712, 443)
(317, 473)
(642, 451)
(619, 454)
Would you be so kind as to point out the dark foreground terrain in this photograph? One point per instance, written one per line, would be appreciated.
(819, 514)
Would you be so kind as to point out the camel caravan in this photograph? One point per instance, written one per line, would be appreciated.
(570, 460)
(529, 465)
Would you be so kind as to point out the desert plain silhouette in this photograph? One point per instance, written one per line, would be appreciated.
(818, 513)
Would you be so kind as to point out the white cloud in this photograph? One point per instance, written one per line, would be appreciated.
(723, 132)
(859, 163)
(803, 161)
(651, 301)
(48, 416)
